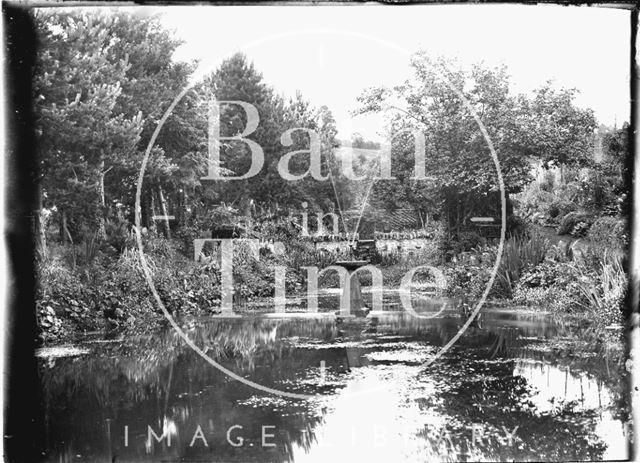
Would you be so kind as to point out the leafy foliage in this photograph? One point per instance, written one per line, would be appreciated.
(80, 132)
(554, 129)
(575, 223)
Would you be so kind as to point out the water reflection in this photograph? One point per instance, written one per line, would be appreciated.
(513, 387)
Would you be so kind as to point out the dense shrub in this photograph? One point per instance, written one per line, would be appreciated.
(598, 189)
(252, 276)
(519, 253)
(114, 292)
(469, 281)
(580, 229)
(64, 301)
(592, 285)
(533, 203)
(560, 208)
(541, 276)
(576, 223)
(393, 274)
(609, 232)
(451, 245)
(186, 235)
(50, 326)
(550, 286)
(470, 240)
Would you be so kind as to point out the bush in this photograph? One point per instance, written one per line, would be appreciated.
(533, 203)
(470, 240)
(63, 298)
(609, 232)
(115, 292)
(580, 229)
(465, 241)
(551, 286)
(592, 285)
(560, 208)
(571, 220)
(469, 281)
(50, 327)
(186, 235)
(541, 276)
(570, 191)
(519, 253)
(598, 188)
(394, 273)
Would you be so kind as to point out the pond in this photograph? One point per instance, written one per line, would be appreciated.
(514, 386)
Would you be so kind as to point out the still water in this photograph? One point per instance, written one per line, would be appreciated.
(515, 386)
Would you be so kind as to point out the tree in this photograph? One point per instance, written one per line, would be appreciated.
(616, 142)
(459, 164)
(154, 79)
(459, 167)
(237, 79)
(133, 55)
(80, 133)
(554, 129)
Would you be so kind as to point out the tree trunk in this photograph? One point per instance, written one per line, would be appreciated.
(165, 213)
(64, 227)
(100, 203)
(182, 208)
(152, 211)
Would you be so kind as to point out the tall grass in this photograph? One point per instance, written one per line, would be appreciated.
(518, 254)
(604, 289)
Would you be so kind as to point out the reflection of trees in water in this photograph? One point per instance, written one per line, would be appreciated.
(496, 400)
(493, 396)
(523, 336)
(141, 359)
(155, 378)
(149, 379)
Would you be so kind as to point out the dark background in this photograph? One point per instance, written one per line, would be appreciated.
(22, 404)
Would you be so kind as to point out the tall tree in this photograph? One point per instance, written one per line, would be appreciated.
(154, 79)
(132, 54)
(81, 135)
(237, 79)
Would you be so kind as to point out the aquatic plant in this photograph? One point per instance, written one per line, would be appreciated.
(604, 287)
(518, 254)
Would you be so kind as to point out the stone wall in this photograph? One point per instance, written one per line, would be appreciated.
(384, 246)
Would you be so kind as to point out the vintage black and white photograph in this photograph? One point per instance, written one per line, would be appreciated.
(318, 233)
